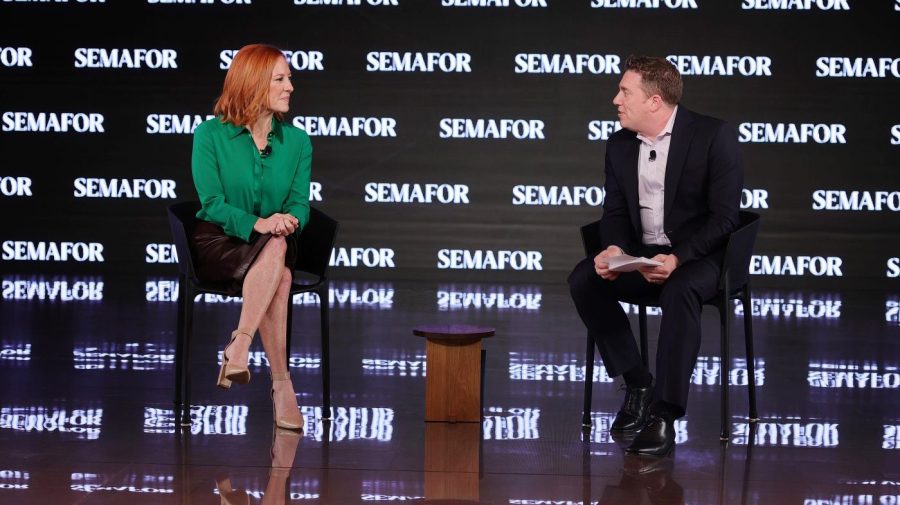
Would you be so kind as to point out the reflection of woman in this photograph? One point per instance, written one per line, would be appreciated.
(251, 171)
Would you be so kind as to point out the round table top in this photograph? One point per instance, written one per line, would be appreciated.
(453, 331)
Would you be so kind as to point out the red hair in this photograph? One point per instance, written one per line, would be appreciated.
(245, 94)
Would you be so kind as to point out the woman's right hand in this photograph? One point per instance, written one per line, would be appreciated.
(277, 224)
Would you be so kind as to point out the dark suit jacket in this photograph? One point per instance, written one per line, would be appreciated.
(704, 178)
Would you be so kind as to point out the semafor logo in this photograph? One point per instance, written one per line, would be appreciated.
(57, 1)
(91, 187)
(558, 195)
(601, 130)
(857, 67)
(15, 186)
(754, 199)
(893, 268)
(53, 122)
(465, 128)
(22, 250)
(644, 4)
(825, 199)
(15, 57)
(178, 124)
(792, 133)
(99, 57)
(816, 266)
(355, 126)
(302, 61)
(387, 192)
(747, 66)
(465, 259)
(201, 2)
(800, 5)
(493, 3)
(362, 256)
(160, 253)
(540, 63)
(418, 62)
(334, 3)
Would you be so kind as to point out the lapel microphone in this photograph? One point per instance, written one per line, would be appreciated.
(268, 150)
(653, 155)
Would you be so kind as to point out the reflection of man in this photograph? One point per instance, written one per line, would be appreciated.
(673, 186)
(640, 478)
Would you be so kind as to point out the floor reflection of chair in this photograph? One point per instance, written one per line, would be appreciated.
(452, 461)
(183, 464)
(748, 459)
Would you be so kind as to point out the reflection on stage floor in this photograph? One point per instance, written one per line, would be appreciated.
(87, 366)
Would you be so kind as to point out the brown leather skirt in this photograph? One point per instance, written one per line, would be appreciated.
(226, 260)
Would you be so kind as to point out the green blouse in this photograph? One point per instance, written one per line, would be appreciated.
(237, 185)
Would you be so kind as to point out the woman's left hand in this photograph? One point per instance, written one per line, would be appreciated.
(285, 224)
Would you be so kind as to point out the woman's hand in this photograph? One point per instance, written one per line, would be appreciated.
(277, 224)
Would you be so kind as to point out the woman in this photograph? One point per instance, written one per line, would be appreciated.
(251, 170)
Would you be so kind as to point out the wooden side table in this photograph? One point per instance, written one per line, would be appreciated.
(453, 371)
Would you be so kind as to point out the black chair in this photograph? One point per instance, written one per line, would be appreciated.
(734, 283)
(314, 252)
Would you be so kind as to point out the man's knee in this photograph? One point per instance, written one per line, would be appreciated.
(678, 290)
(583, 277)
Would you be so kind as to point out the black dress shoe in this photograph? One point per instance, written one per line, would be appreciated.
(655, 439)
(633, 414)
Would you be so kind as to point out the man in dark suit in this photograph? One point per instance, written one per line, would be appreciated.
(673, 187)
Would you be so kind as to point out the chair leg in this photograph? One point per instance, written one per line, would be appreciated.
(642, 325)
(725, 361)
(751, 360)
(289, 333)
(186, 351)
(179, 341)
(588, 382)
(326, 355)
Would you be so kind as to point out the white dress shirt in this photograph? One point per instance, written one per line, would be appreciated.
(652, 158)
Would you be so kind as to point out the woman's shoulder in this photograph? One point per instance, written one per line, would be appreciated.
(211, 126)
(293, 133)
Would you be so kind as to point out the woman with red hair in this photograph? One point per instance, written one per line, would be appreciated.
(251, 170)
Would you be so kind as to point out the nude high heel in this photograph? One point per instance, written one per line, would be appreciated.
(292, 420)
(230, 372)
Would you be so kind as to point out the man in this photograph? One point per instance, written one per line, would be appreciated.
(673, 187)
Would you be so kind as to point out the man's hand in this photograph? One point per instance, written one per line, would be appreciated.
(658, 275)
(602, 267)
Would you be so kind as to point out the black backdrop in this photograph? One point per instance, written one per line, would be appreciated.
(39, 73)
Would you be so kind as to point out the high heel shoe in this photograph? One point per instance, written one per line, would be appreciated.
(229, 372)
(289, 421)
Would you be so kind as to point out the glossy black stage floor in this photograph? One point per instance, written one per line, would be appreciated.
(87, 417)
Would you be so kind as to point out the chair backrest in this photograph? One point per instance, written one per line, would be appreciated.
(590, 239)
(738, 250)
(182, 219)
(316, 242)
